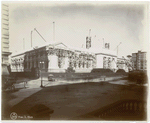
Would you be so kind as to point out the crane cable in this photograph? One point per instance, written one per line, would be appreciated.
(39, 34)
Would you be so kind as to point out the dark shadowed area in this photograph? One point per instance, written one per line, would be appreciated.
(72, 101)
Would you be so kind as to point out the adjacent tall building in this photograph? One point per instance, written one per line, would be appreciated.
(139, 60)
(5, 38)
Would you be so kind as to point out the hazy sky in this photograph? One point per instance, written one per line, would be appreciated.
(115, 23)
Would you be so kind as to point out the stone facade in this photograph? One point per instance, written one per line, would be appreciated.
(52, 57)
(58, 57)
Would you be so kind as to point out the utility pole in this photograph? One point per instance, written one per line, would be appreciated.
(53, 31)
(117, 48)
(103, 43)
(23, 44)
(89, 32)
(31, 39)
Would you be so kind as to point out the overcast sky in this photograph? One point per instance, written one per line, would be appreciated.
(115, 23)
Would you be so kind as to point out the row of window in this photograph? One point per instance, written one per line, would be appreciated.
(80, 64)
(17, 60)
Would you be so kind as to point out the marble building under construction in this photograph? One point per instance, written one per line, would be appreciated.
(57, 57)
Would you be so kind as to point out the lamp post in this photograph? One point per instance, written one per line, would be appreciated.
(41, 73)
(117, 47)
(31, 37)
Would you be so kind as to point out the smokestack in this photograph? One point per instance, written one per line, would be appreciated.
(103, 43)
(88, 42)
(31, 39)
(53, 31)
(23, 44)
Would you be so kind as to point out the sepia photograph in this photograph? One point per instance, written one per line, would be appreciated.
(74, 61)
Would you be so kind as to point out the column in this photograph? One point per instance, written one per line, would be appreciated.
(89, 64)
(85, 65)
(66, 64)
(77, 64)
(81, 65)
(34, 63)
(106, 63)
(113, 64)
(30, 64)
(27, 65)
